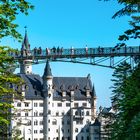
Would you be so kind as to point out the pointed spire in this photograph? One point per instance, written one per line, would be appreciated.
(25, 44)
(94, 92)
(47, 71)
(87, 87)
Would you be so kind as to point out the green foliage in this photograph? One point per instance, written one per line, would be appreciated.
(7, 81)
(126, 95)
(9, 9)
(130, 8)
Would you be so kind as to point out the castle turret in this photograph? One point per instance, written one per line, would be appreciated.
(26, 63)
(47, 94)
(94, 98)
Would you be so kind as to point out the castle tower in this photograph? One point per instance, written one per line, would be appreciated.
(26, 63)
(94, 100)
(47, 95)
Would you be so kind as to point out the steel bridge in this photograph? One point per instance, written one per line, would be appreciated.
(100, 56)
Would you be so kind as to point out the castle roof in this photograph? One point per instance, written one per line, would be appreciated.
(78, 84)
(47, 71)
(25, 43)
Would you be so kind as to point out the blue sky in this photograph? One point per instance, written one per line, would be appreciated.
(76, 23)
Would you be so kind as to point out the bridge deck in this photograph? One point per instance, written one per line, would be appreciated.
(77, 53)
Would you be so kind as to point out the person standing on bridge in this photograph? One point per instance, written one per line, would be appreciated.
(72, 51)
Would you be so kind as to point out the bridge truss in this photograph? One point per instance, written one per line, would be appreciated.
(106, 57)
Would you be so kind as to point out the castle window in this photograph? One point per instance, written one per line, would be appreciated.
(68, 121)
(63, 113)
(76, 138)
(40, 114)
(87, 113)
(63, 122)
(82, 130)
(35, 92)
(41, 104)
(41, 122)
(82, 138)
(57, 113)
(36, 113)
(76, 130)
(26, 104)
(29, 131)
(87, 130)
(26, 113)
(75, 104)
(18, 104)
(57, 130)
(35, 122)
(29, 123)
(35, 104)
(67, 104)
(87, 137)
(54, 122)
(49, 111)
(35, 131)
(41, 131)
(59, 104)
(18, 114)
(84, 104)
(76, 112)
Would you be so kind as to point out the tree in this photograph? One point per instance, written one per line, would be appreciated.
(130, 8)
(9, 9)
(126, 96)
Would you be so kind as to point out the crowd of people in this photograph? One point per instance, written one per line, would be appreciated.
(72, 51)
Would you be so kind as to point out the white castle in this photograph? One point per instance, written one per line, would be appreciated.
(54, 108)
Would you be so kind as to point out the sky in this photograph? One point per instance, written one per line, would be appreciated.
(76, 23)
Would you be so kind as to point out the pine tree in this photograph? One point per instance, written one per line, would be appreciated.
(126, 95)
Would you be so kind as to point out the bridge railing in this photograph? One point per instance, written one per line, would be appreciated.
(77, 52)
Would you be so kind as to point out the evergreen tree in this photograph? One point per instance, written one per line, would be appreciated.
(126, 96)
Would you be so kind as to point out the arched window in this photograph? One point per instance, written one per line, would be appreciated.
(87, 113)
(18, 104)
(87, 137)
(82, 138)
(29, 131)
(68, 121)
(76, 129)
(76, 112)
(54, 122)
(49, 111)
